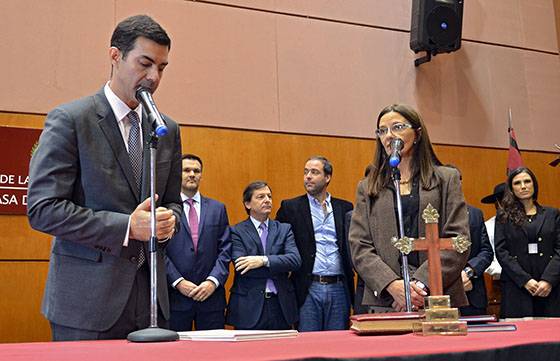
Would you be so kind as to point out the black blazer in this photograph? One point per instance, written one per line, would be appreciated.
(512, 252)
(296, 212)
(480, 257)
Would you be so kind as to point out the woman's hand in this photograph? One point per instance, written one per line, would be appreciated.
(396, 290)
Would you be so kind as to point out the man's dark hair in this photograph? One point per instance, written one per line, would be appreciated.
(193, 157)
(327, 165)
(250, 189)
(127, 31)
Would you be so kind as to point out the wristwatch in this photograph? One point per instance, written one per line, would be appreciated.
(469, 271)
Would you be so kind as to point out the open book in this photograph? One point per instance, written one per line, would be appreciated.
(235, 335)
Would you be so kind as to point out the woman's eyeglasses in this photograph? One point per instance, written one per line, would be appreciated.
(395, 128)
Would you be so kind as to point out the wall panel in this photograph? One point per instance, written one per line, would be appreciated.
(55, 51)
(301, 66)
(21, 287)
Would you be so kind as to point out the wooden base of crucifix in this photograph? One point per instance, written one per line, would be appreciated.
(441, 319)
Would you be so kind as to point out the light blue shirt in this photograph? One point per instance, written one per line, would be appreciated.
(327, 256)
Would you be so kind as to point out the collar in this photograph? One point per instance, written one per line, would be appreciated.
(315, 201)
(120, 109)
(257, 223)
(196, 197)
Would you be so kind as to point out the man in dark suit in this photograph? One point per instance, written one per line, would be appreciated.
(89, 183)
(198, 257)
(325, 282)
(480, 257)
(264, 251)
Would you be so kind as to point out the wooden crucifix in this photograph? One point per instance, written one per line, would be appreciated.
(432, 244)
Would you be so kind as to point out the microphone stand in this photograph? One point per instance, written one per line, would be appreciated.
(396, 177)
(153, 333)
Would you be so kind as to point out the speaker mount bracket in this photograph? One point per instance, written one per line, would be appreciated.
(424, 59)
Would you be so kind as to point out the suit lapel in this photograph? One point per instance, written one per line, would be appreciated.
(272, 230)
(186, 228)
(338, 221)
(253, 234)
(110, 129)
(306, 215)
(539, 221)
(202, 215)
(385, 225)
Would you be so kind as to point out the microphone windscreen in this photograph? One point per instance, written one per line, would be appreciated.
(397, 144)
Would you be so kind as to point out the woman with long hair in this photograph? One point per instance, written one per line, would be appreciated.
(374, 221)
(527, 239)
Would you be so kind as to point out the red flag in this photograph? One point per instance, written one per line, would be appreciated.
(514, 156)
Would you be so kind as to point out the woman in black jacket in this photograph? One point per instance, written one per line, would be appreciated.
(527, 239)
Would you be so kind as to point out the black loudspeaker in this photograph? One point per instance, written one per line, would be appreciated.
(436, 26)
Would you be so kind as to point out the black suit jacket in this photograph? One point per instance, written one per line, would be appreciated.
(512, 252)
(296, 212)
(480, 257)
(82, 191)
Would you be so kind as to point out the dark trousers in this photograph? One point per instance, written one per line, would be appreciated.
(358, 307)
(203, 320)
(272, 317)
(472, 311)
(136, 315)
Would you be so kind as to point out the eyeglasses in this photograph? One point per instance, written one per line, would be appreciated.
(396, 128)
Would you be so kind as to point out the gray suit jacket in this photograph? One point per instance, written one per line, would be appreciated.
(374, 223)
(82, 191)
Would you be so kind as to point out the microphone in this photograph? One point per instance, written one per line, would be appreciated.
(396, 145)
(144, 96)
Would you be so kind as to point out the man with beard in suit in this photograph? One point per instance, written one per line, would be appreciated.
(325, 282)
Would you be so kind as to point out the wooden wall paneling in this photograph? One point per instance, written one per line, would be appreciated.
(20, 242)
(22, 291)
(233, 158)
